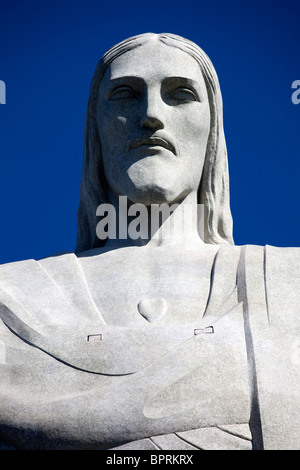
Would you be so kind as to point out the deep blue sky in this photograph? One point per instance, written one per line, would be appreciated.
(48, 52)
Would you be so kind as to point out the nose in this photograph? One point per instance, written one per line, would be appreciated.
(153, 110)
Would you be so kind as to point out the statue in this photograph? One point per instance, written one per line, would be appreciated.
(152, 342)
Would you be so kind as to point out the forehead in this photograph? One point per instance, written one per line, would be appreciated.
(155, 60)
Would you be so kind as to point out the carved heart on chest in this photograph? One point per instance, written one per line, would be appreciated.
(152, 309)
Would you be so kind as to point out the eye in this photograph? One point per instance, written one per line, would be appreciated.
(184, 94)
(122, 93)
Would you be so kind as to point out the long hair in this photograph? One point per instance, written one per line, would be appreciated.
(213, 191)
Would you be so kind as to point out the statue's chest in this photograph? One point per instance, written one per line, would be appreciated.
(133, 291)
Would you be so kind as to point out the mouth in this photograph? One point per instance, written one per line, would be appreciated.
(153, 141)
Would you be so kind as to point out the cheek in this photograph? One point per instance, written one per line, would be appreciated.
(200, 121)
(193, 129)
(113, 134)
(193, 142)
(112, 131)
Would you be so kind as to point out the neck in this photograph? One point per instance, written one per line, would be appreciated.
(156, 225)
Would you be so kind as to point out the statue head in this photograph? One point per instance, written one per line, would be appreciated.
(192, 154)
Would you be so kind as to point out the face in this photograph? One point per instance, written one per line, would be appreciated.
(153, 121)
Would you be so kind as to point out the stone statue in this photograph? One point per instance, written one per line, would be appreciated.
(153, 342)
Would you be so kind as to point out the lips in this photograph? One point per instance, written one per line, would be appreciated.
(153, 141)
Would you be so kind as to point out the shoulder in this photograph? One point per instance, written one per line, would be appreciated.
(282, 280)
(46, 291)
(31, 264)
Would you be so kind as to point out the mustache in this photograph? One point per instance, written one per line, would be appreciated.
(154, 140)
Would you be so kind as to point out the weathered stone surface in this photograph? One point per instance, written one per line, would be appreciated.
(162, 342)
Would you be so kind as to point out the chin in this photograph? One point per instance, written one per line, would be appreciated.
(150, 181)
(152, 194)
(155, 194)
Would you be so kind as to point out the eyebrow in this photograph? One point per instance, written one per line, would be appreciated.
(187, 80)
(117, 80)
(184, 81)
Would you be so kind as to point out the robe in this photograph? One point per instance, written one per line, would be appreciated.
(229, 380)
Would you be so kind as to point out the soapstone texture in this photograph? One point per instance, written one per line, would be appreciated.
(157, 343)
